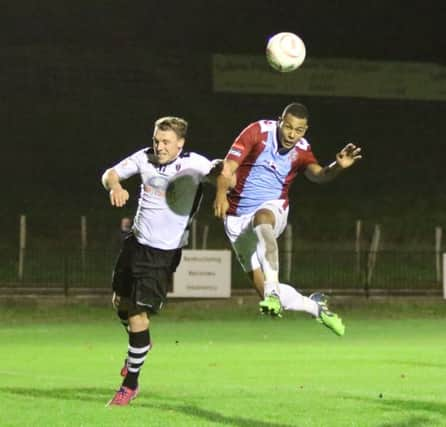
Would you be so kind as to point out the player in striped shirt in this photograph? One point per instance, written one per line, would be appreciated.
(252, 198)
(171, 190)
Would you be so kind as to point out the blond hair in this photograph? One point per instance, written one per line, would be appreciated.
(176, 124)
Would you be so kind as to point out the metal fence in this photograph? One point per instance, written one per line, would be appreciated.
(337, 271)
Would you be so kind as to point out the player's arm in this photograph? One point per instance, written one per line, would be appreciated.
(111, 182)
(344, 159)
(215, 171)
(224, 181)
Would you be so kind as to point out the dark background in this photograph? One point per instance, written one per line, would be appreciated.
(82, 84)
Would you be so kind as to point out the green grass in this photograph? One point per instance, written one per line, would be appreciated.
(219, 364)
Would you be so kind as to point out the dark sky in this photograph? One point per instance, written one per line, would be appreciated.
(72, 117)
(393, 29)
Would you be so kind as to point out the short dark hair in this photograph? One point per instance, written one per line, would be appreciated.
(297, 110)
(177, 124)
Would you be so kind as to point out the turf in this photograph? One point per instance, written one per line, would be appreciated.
(220, 364)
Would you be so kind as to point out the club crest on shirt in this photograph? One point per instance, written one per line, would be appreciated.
(156, 186)
(178, 167)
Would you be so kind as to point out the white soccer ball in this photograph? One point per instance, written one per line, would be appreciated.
(285, 52)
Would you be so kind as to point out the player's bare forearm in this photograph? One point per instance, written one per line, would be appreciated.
(221, 204)
(118, 195)
(344, 159)
(224, 182)
(110, 179)
(320, 175)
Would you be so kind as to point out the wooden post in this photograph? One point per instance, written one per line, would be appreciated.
(204, 244)
(288, 252)
(444, 276)
(22, 246)
(374, 246)
(358, 246)
(194, 234)
(438, 241)
(84, 243)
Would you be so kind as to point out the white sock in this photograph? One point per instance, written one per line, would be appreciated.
(268, 255)
(294, 301)
(271, 287)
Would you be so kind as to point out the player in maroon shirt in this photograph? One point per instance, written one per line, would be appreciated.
(252, 198)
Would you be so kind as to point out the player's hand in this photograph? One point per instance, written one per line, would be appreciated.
(221, 206)
(348, 155)
(116, 299)
(119, 197)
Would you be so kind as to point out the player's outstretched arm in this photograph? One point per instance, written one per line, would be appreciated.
(344, 159)
(118, 195)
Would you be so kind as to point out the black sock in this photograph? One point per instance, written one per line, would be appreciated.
(139, 346)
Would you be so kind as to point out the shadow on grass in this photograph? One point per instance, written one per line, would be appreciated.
(102, 395)
(415, 364)
(405, 405)
(411, 422)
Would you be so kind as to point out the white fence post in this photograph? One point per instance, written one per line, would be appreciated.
(444, 276)
(358, 246)
(438, 239)
(194, 234)
(22, 246)
(374, 246)
(84, 242)
(204, 243)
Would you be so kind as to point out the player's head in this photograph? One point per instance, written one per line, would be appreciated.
(169, 136)
(292, 124)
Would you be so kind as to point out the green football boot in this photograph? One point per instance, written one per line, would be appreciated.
(271, 305)
(327, 318)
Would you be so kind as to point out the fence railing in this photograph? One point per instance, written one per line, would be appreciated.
(335, 270)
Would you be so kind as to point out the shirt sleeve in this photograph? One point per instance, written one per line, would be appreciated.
(201, 164)
(244, 143)
(306, 156)
(129, 166)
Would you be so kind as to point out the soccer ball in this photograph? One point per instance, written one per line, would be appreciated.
(285, 52)
(181, 191)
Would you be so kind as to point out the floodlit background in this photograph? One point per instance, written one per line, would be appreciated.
(82, 85)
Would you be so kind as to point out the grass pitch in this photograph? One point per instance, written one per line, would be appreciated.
(220, 364)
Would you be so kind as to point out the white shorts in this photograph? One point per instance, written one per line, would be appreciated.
(239, 230)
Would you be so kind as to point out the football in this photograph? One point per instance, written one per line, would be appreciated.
(285, 52)
(181, 191)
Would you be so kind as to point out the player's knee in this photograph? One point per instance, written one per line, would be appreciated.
(139, 322)
(264, 216)
(265, 234)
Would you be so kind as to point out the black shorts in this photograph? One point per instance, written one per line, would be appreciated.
(143, 275)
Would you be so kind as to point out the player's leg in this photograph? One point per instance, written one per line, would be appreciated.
(120, 304)
(267, 249)
(291, 299)
(138, 348)
(268, 223)
(245, 245)
(326, 317)
(122, 287)
(152, 270)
